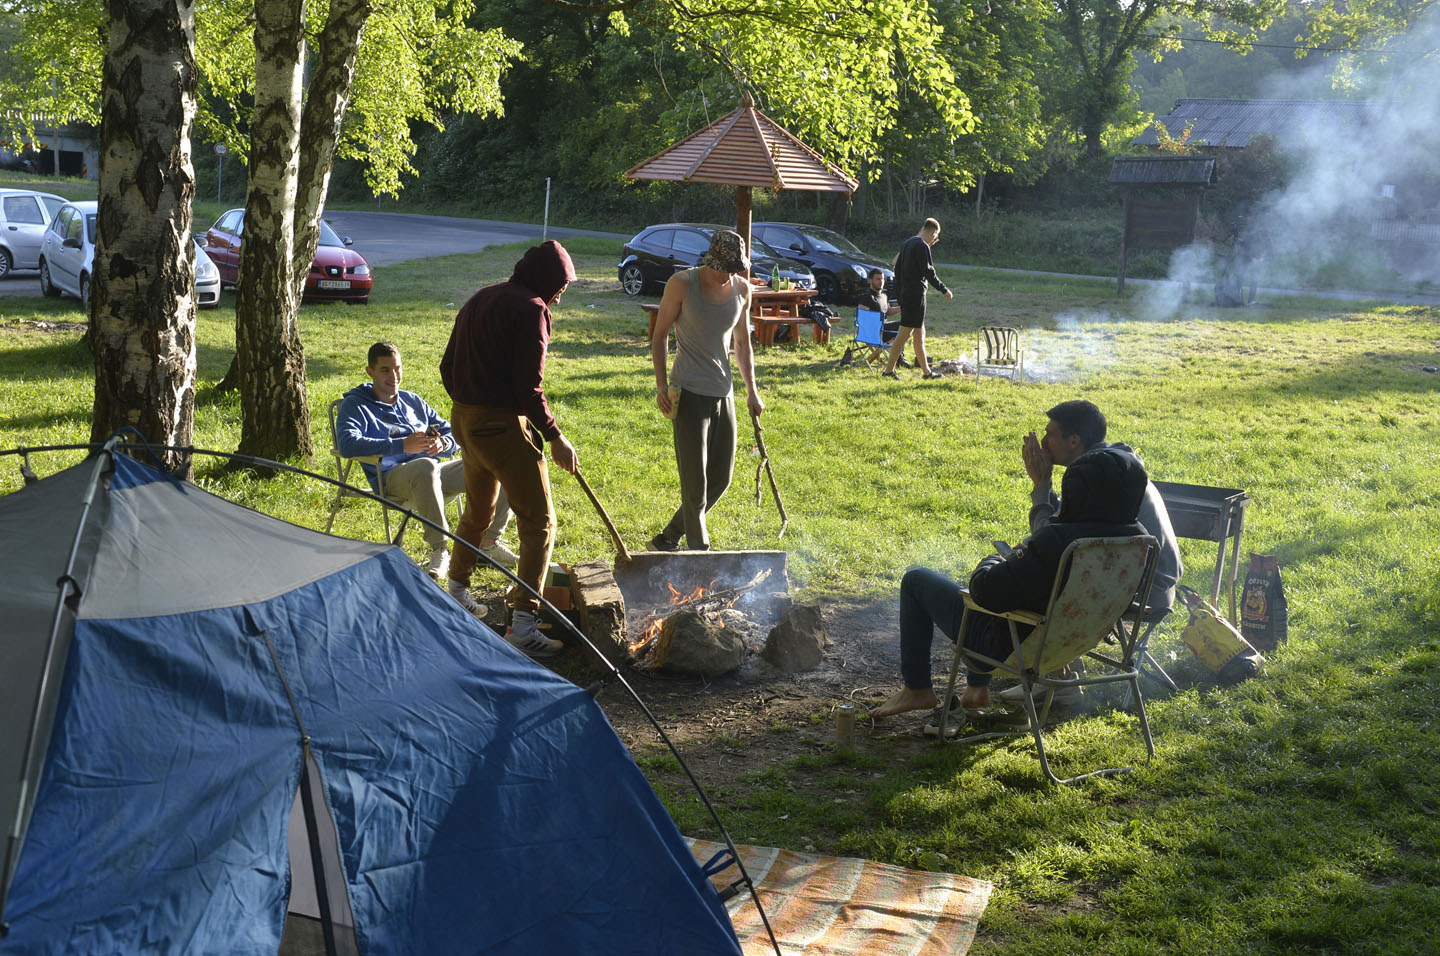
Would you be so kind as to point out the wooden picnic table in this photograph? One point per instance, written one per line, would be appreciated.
(769, 310)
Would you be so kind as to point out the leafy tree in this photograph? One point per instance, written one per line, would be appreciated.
(400, 61)
(1101, 37)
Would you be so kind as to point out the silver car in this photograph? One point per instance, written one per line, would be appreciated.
(67, 257)
(24, 215)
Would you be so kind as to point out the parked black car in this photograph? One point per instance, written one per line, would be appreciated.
(841, 268)
(657, 253)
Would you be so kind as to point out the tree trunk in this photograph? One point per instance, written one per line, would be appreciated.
(275, 413)
(331, 77)
(142, 294)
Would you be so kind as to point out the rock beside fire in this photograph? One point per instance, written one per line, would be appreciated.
(798, 642)
(692, 646)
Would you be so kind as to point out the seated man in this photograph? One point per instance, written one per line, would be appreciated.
(1072, 429)
(380, 418)
(874, 299)
(1103, 490)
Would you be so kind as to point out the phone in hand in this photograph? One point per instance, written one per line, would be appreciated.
(433, 431)
(1002, 548)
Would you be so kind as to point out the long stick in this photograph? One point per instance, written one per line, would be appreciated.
(622, 551)
(769, 473)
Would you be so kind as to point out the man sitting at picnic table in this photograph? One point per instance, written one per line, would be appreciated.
(1103, 491)
(416, 448)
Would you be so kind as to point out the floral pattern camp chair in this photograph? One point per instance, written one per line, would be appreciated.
(1096, 588)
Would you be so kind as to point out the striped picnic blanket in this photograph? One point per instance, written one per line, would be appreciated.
(844, 906)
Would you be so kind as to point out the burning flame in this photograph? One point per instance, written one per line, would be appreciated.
(650, 631)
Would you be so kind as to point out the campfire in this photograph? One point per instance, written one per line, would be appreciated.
(707, 603)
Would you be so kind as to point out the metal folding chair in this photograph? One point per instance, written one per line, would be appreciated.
(1098, 592)
(343, 468)
(997, 348)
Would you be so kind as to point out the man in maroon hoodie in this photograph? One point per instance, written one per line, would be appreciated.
(494, 370)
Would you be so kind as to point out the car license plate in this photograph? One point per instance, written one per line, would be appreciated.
(334, 284)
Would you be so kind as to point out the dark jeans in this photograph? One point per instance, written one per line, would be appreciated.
(705, 456)
(928, 599)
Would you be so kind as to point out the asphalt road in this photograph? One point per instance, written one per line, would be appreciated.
(385, 238)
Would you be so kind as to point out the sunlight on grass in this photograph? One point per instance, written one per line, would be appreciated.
(1294, 813)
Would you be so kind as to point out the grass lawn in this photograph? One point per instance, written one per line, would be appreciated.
(1295, 813)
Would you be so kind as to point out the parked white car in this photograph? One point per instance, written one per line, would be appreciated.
(24, 214)
(67, 256)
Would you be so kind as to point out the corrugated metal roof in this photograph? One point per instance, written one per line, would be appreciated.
(745, 148)
(1235, 123)
(1162, 171)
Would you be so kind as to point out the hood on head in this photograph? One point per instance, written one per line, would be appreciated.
(544, 269)
(1103, 485)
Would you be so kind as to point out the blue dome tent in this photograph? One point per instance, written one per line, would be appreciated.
(215, 716)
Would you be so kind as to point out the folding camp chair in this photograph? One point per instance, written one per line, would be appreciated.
(997, 347)
(343, 468)
(870, 335)
(1098, 592)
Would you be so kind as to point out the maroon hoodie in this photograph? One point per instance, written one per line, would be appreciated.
(496, 354)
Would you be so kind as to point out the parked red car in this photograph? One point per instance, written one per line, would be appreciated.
(337, 273)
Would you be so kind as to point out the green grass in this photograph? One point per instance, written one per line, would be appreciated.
(1295, 813)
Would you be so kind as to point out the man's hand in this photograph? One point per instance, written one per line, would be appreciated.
(1038, 464)
(419, 443)
(949, 295)
(564, 454)
(756, 405)
(662, 400)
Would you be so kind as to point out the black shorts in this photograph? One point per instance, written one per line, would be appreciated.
(912, 312)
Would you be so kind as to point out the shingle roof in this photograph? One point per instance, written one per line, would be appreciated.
(1235, 123)
(745, 148)
(1162, 171)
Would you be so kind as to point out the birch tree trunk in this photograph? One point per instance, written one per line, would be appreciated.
(331, 78)
(275, 412)
(142, 294)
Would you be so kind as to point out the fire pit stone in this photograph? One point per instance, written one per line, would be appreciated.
(798, 642)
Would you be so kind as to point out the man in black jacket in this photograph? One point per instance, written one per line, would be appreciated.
(914, 270)
(1102, 490)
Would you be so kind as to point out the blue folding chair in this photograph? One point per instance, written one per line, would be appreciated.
(870, 334)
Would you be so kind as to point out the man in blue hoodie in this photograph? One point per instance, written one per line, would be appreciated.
(417, 451)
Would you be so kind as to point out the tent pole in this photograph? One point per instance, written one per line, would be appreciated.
(743, 218)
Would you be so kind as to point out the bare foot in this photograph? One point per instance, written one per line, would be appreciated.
(976, 698)
(906, 699)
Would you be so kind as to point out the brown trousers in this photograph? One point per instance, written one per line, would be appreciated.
(499, 450)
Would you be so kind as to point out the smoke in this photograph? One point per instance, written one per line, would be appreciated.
(1192, 265)
(1361, 204)
(1082, 343)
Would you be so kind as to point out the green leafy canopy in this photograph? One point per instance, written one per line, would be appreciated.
(418, 60)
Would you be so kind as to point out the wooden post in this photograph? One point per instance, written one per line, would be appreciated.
(743, 217)
(1124, 242)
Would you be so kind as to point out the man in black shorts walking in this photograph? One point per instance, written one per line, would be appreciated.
(913, 270)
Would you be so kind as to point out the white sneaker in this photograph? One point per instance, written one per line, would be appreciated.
(1064, 696)
(502, 555)
(438, 563)
(460, 591)
(524, 634)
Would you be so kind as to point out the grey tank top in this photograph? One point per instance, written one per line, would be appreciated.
(702, 334)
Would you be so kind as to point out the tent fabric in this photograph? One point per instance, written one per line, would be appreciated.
(481, 803)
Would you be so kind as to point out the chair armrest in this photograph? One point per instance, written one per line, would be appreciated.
(367, 459)
(1018, 616)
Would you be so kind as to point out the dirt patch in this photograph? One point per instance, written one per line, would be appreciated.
(44, 325)
(738, 723)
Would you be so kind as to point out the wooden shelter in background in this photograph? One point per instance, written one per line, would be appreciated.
(1162, 201)
(1235, 124)
(745, 149)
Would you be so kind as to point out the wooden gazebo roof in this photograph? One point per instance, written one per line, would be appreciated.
(745, 148)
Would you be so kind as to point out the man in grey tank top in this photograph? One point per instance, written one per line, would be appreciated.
(704, 305)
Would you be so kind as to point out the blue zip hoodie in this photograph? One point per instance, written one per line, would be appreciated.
(365, 425)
